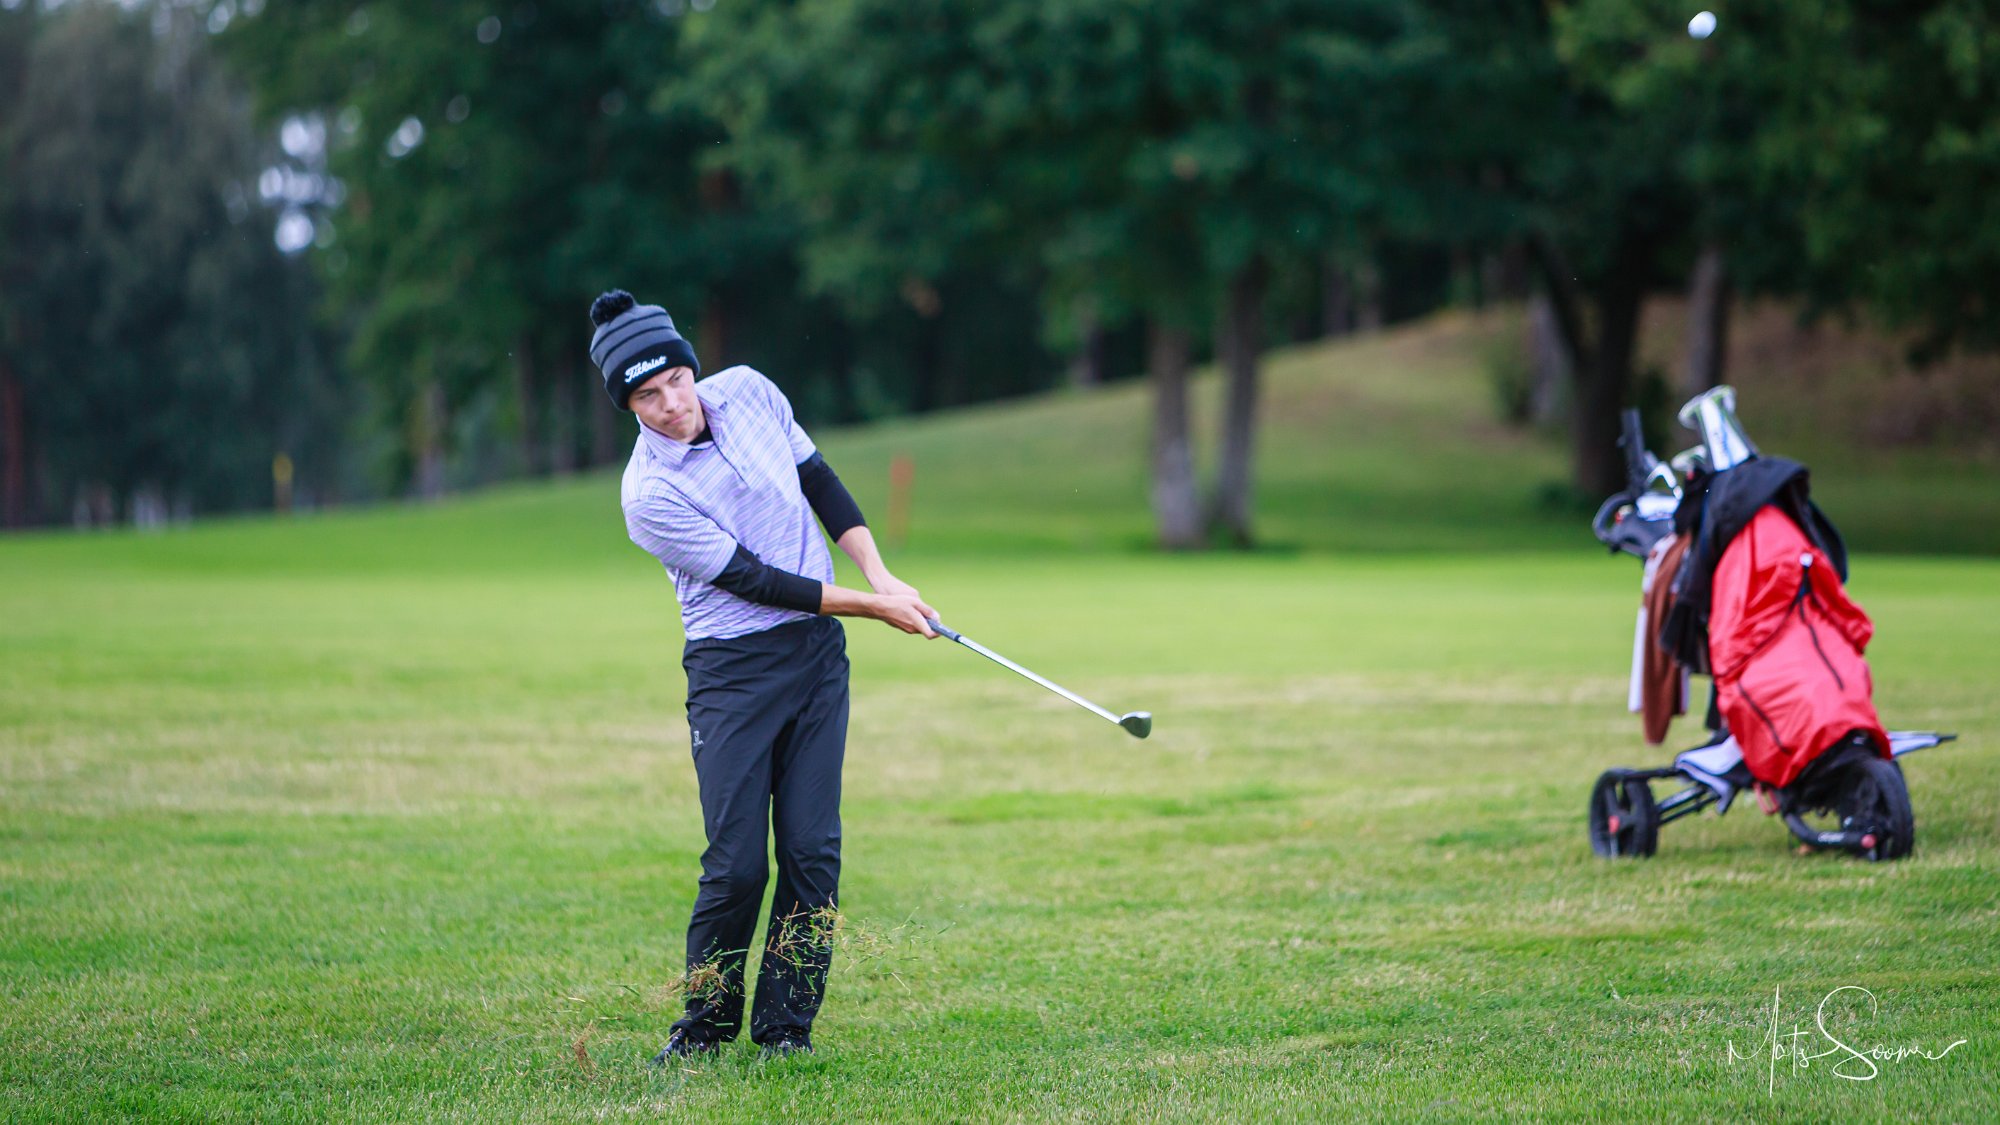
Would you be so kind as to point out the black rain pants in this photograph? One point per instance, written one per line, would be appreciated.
(767, 715)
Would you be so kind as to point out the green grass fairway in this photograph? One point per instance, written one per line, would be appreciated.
(390, 816)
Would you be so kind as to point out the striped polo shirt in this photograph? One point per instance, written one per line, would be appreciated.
(690, 505)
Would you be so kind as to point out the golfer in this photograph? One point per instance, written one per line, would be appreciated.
(723, 488)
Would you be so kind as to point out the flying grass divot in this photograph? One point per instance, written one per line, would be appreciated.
(800, 940)
(1138, 724)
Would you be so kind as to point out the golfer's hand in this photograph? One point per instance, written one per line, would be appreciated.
(891, 584)
(906, 612)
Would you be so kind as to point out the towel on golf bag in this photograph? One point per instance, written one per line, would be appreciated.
(1663, 679)
(1785, 643)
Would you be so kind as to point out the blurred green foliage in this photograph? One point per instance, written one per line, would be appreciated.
(897, 206)
(549, 170)
(153, 345)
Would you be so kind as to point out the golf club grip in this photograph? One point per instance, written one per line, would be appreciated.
(938, 628)
(1631, 439)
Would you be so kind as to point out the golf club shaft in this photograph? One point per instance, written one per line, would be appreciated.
(968, 642)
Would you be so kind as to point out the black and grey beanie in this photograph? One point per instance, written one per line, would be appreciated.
(632, 342)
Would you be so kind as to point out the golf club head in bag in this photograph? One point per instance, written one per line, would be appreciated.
(1712, 414)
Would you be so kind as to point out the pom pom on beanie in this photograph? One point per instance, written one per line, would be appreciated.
(606, 308)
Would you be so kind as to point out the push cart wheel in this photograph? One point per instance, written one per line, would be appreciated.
(1877, 799)
(1624, 821)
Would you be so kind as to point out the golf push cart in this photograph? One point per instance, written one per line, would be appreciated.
(1786, 644)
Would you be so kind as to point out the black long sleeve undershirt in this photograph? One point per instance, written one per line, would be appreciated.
(754, 580)
(829, 498)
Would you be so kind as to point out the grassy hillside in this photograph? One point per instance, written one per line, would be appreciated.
(388, 815)
(1382, 444)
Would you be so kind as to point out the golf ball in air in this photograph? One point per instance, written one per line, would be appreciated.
(1702, 25)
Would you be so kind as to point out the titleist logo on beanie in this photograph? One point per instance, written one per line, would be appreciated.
(632, 342)
(643, 368)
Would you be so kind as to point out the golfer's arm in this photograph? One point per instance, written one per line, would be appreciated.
(839, 601)
(752, 579)
(842, 518)
(859, 543)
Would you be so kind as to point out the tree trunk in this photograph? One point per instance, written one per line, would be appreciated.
(14, 447)
(1605, 383)
(525, 404)
(427, 429)
(720, 193)
(1176, 509)
(148, 507)
(1240, 346)
(1503, 274)
(1565, 303)
(562, 427)
(1336, 299)
(1368, 314)
(1602, 372)
(1465, 286)
(1551, 366)
(717, 316)
(1708, 321)
(95, 506)
(1491, 285)
(1086, 368)
(603, 418)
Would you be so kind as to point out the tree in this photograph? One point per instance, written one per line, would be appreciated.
(1878, 120)
(502, 167)
(1589, 191)
(1839, 152)
(1144, 160)
(156, 354)
(1695, 101)
(16, 28)
(498, 169)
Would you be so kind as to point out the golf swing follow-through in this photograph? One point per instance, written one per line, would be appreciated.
(728, 492)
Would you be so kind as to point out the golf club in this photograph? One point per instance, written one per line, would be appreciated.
(1138, 724)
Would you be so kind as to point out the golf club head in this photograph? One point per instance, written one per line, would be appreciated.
(1712, 414)
(1138, 724)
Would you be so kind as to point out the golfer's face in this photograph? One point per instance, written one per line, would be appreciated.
(667, 403)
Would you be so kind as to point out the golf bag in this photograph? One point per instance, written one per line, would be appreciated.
(1757, 602)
